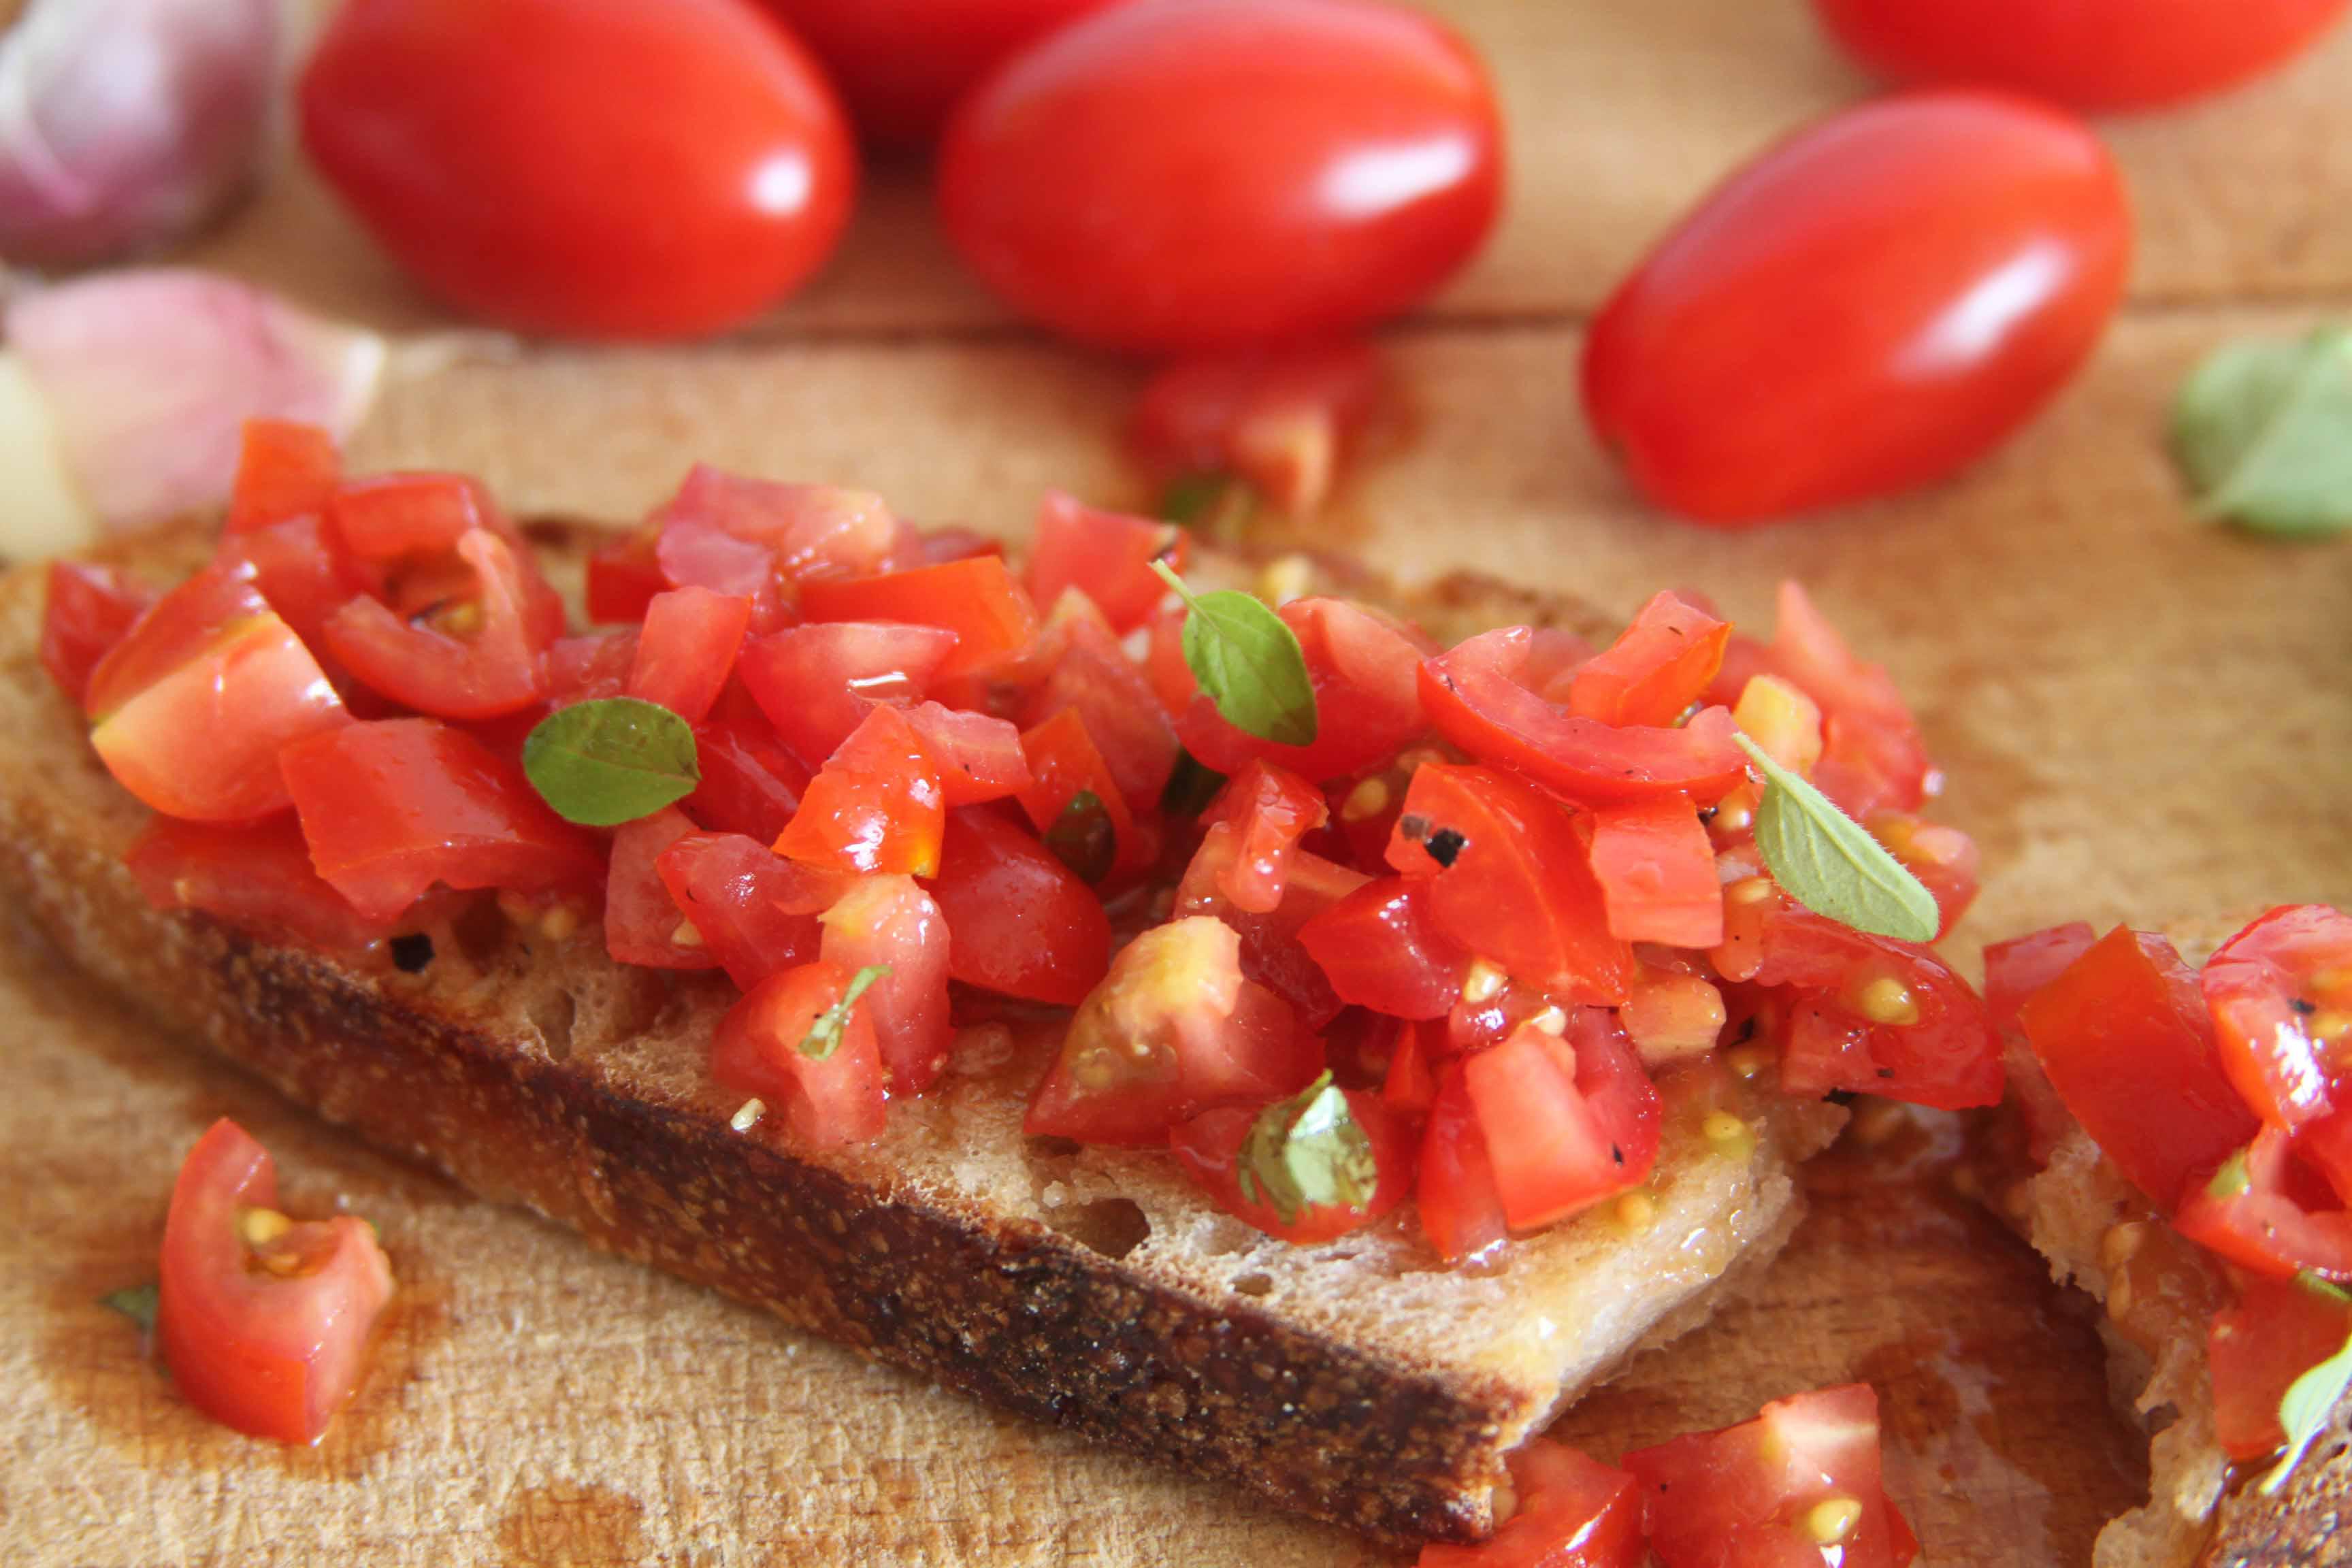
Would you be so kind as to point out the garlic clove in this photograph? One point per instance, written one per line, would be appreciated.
(41, 508)
(148, 376)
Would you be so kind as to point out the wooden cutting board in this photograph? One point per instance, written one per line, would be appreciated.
(2140, 715)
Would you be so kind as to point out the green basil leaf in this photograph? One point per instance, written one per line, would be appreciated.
(2304, 1410)
(2264, 433)
(823, 1036)
(1248, 662)
(1083, 837)
(1826, 861)
(140, 1304)
(1191, 785)
(1308, 1150)
(610, 761)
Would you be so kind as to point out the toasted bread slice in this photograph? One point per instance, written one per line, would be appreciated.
(2156, 1293)
(1360, 1382)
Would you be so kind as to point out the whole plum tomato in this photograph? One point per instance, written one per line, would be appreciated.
(1173, 176)
(902, 64)
(608, 168)
(1867, 307)
(2091, 54)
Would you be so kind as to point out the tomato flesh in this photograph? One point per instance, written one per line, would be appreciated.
(1208, 1149)
(1382, 948)
(877, 805)
(1271, 810)
(644, 924)
(2281, 994)
(470, 656)
(828, 1101)
(256, 878)
(284, 470)
(1655, 671)
(817, 683)
(1018, 922)
(1461, 1206)
(2277, 1331)
(1656, 870)
(1094, 678)
(889, 923)
(1869, 306)
(1565, 1125)
(751, 782)
(687, 649)
(1283, 423)
(1106, 555)
(976, 598)
(754, 911)
(2267, 1213)
(268, 1336)
(1573, 1512)
(1368, 700)
(85, 612)
(978, 755)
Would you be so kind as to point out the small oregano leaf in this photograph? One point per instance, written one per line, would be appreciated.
(2311, 1399)
(1248, 662)
(610, 760)
(823, 1036)
(1084, 838)
(2262, 431)
(1826, 861)
(1307, 1150)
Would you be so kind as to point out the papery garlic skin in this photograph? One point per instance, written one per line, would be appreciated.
(125, 123)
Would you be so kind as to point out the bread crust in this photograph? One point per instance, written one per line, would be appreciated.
(1397, 1447)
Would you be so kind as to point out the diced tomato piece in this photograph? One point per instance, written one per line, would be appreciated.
(805, 530)
(2281, 995)
(587, 668)
(817, 683)
(1063, 766)
(687, 649)
(253, 877)
(1513, 879)
(1460, 1207)
(623, 578)
(1272, 953)
(1672, 1015)
(1208, 1149)
(755, 910)
(1367, 697)
(1018, 922)
(1382, 948)
(1107, 555)
(889, 923)
(2265, 1212)
(1410, 1087)
(473, 658)
(283, 469)
(190, 709)
(643, 924)
(1171, 679)
(1094, 678)
(1573, 1512)
(1271, 810)
(2125, 1040)
(829, 1101)
(876, 806)
(1878, 1015)
(1565, 1125)
(296, 566)
(1943, 858)
(1474, 697)
(1172, 1029)
(1656, 870)
(390, 807)
(751, 782)
(390, 516)
(1653, 672)
(88, 610)
(2277, 1331)
(1281, 421)
(2016, 969)
(979, 756)
(265, 1324)
(977, 599)
(1754, 1493)
(696, 554)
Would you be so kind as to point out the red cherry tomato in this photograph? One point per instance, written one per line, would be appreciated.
(1573, 1512)
(1172, 1029)
(875, 806)
(190, 709)
(2127, 1043)
(2091, 54)
(257, 879)
(755, 910)
(828, 1099)
(644, 924)
(86, 611)
(2281, 994)
(889, 923)
(600, 167)
(1870, 307)
(1382, 949)
(903, 64)
(1208, 1149)
(1106, 555)
(1181, 174)
(1018, 922)
(1750, 1493)
(265, 1324)
(2277, 1331)
(1565, 1125)
(393, 806)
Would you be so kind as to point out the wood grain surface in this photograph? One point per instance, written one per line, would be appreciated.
(2139, 714)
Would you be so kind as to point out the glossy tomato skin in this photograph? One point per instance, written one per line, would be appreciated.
(1656, 870)
(687, 649)
(1188, 174)
(2099, 55)
(755, 910)
(1106, 555)
(482, 665)
(2269, 988)
(2268, 1213)
(1208, 1147)
(584, 167)
(1573, 1512)
(1094, 678)
(815, 683)
(877, 805)
(269, 1338)
(1380, 948)
(889, 923)
(826, 1101)
(256, 878)
(1018, 922)
(903, 64)
(1867, 309)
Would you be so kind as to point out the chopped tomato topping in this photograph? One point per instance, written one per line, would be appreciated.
(1106, 555)
(2125, 1040)
(1656, 870)
(471, 655)
(751, 782)
(283, 470)
(1271, 952)
(755, 911)
(827, 1080)
(86, 611)
(2016, 969)
(1655, 672)
(816, 683)
(642, 922)
(687, 649)
(1094, 679)
(975, 598)
(391, 806)
(623, 578)
(1209, 1148)
(1573, 1512)
(889, 923)
(1461, 1206)
(299, 568)
(1367, 697)
(264, 1321)
(1271, 809)
(1474, 696)
(2277, 1331)
(256, 878)
(1943, 858)
(1019, 923)
(978, 755)
(1564, 1124)
(394, 516)
(1382, 948)
(759, 539)
(876, 806)
(1068, 775)
(2267, 1212)
(2281, 995)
